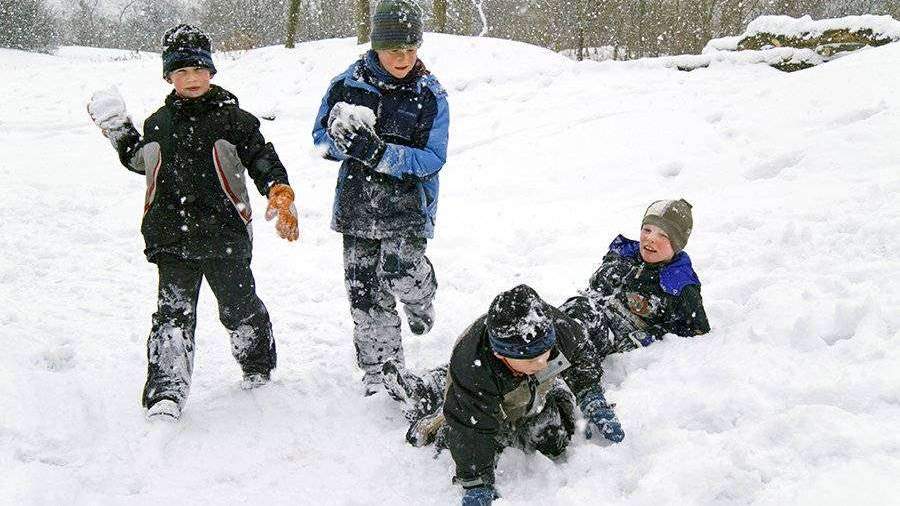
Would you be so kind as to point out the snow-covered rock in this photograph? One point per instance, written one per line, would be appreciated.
(811, 41)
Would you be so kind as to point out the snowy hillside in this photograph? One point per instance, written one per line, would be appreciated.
(794, 398)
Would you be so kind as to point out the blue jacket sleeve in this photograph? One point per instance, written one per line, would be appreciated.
(399, 160)
(321, 139)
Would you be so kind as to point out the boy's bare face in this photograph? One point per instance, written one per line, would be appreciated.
(655, 245)
(527, 366)
(398, 62)
(190, 82)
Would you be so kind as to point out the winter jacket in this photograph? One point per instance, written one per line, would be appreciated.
(485, 399)
(627, 294)
(400, 197)
(194, 153)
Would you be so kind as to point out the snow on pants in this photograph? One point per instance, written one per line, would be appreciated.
(549, 431)
(170, 347)
(375, 272)
(595, 322)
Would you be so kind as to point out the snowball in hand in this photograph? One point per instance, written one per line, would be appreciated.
(346, 117)
(107, 109)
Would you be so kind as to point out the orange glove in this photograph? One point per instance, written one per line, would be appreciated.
(281, 203)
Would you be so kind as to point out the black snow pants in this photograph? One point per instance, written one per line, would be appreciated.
(600, 326)
(547, 432)
(375, 272)
(170, 347)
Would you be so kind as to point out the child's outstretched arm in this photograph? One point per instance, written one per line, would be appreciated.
(107, 110)
(267, 172)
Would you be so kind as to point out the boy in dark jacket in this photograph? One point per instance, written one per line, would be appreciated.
(386, 119)
(193, 154)
(514, 379)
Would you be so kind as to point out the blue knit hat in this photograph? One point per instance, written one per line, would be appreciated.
(396, 24)
(519, 325)
(186, 46)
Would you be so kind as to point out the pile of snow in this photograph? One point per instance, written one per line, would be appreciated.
(793, 398)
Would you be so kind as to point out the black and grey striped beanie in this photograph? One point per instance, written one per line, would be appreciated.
(396, 24)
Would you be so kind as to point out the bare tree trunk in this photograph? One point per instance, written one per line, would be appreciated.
(293, 19)
(363, 21)
(479, 6)
(440, 15)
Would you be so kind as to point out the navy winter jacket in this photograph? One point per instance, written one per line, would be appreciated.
(195, 155)
(400, 197)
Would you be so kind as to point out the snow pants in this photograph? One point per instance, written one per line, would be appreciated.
(600, 326)
(170, 347)
(547, 432)
(376, 273)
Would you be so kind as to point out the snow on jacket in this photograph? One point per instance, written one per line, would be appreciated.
(413, 119)
(655, 298)
(485, 399)
(194, 154)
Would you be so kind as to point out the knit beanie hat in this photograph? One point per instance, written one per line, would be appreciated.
(519, 325)
(674, 217)
(396, 24)
(186, 46)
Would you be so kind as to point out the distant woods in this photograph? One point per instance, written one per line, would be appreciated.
(621, 29)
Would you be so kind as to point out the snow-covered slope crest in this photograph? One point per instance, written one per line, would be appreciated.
(793, 398)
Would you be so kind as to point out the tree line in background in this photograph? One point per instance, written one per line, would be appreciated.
(623, 29)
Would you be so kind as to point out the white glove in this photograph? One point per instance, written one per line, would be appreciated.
(107, 109)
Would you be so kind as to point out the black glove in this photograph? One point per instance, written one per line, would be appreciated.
(364, 146)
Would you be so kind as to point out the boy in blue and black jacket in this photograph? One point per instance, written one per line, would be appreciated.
(644, 289)
(386, 119)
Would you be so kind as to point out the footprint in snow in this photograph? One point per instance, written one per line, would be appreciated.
(773, 167)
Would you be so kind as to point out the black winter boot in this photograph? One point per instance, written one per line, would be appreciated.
(419, 318)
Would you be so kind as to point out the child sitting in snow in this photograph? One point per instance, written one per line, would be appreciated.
(197, 214)
(386, 119)
(643, 290)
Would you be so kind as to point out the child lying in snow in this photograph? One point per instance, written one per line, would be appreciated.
(643, 290)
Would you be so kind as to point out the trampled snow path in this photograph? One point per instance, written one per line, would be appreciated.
(794, 398)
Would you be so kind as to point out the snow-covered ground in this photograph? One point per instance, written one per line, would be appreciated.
(793, 398)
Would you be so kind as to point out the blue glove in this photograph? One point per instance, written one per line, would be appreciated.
(600, 418)
(479, 496)
(363, 145)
